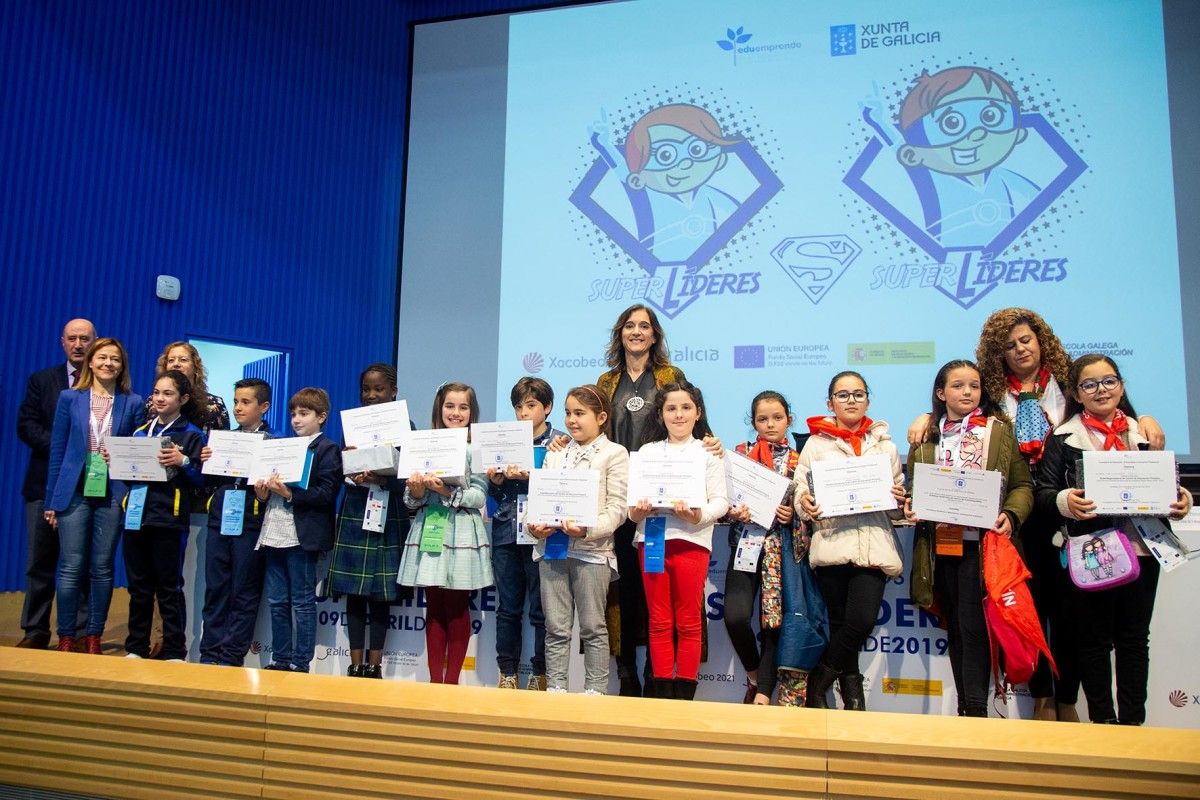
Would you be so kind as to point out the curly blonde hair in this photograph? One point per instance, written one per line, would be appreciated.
(993, 341)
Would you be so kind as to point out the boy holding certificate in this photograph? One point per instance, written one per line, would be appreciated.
(233, 568)
(296, 529)
(516, 573)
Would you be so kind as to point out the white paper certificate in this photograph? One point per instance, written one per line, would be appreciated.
(662, 479)
(967, 497)
(134, 458)
(1130, 482)
(380, 424)
(441, 452)
(232, 453)
(558, 495)
(853, 485)
(502, 444)
(286, 457)
(748, 483)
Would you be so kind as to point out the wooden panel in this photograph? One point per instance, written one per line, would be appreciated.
(142, 729)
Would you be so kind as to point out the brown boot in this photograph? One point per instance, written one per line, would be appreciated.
(66, 644)
(92, 642)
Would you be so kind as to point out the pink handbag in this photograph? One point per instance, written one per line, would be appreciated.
(1101, 560)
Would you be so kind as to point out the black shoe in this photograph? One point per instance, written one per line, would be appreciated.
(35, 641)
(820, 680)
(851, 687)
(371, 671)
(630, 685)
(278, 667)
(685, 689)
(662, 688)
(355, 670)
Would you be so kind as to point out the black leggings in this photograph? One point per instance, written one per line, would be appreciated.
(632, 596)
(741, 589)
(960, 592)
(853, 596)
(356, 621)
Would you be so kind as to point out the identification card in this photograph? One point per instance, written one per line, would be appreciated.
(96, 482)
(1162, 542)
(948, 540)
(654, 545)
(749, 548)
(433, 531)
(556, 546)
(135, 506)
(233, 512)
(375, 515)
(523, 536)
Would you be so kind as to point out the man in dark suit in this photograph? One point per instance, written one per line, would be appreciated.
(35, 421)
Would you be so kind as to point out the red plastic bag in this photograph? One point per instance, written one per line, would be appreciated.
(1012, 621)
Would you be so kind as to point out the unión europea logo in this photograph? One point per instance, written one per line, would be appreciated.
(732, 39)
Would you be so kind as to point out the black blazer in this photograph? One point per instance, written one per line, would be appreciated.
(35, 422)
(313, 509)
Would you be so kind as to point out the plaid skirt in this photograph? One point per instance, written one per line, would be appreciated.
(365, 563)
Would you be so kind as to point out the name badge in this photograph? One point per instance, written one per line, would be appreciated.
(1161, 541)
(948, 540)
(556, 546)
(523, 536)
(749, 548)
(375, 515)
(654, 544)
(96, 482)
(233, 512)
(433, 529)
(135, 506)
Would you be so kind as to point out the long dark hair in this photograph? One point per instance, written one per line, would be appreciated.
(440, 397)
(192, 411)
(1077, 366)
(656, 429)
(987, 406)
(660, 356)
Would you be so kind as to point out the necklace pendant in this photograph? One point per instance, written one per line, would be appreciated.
(635, 403)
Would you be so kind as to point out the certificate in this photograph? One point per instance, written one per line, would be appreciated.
(854, 485)
(287, 458)
(503, 444)
(662, 478)
(967, 497)
(380, 424)
(134, 458)
(748, 483)
(441, 452)
(1130, 482)
(232, 453)
(558, 495)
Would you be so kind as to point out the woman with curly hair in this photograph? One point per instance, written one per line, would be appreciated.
(1024, 366)
(211, 413)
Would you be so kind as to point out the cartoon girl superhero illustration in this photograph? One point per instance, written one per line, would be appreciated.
(670, 155)
(959, 125)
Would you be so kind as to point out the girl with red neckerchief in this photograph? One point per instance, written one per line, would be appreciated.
(1100, 417)
(852, 556)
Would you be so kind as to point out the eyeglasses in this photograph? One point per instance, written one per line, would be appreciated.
(950, 122)
(845, 397)
(1091, 386)
(666, 154)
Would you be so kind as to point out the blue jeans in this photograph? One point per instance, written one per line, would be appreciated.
(517, 581)
(87, 537)
(291, 584)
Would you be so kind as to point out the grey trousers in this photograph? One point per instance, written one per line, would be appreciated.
(569, 586)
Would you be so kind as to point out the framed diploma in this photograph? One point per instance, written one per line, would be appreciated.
(749, 483)
(373, 426)
(134, 458)
(853, 485)
(1130, 482)
(441, 452)
(232, 453)
(967, 497)
(288, 458)
(664, 478)
(502, 444)
(559, 495)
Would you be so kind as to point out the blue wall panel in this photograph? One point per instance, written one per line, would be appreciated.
(252, 149)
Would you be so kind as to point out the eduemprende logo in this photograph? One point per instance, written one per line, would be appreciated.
(732, 39)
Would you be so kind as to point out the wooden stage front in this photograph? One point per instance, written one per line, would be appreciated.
(105, 726)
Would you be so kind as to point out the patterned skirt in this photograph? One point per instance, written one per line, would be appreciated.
(464, 562)
(365, 562)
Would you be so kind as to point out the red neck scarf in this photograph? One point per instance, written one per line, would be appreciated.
(1112, 433)
(975, 419)
(829, 426)
(1043, 378)
(764, 453)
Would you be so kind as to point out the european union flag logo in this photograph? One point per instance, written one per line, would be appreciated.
(841, 40)
(749, 356)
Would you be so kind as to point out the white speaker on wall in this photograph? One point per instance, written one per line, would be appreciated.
(167, 287)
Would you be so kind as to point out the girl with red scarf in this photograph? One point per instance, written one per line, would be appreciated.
(854, 555)
(771, 417)
(1100, 417)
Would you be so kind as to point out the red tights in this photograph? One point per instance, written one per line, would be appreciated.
(447, 632)
(675, 599)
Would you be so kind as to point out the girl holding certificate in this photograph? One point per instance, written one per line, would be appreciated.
(447, 551)
(578, 579)
(156, 521)
(1100, 417)
(675, 588)
(853, 555)
(967, 432)
(366, 553)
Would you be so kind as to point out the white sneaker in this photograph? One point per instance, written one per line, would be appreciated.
(132, 655)
(556, 690)
(175, 660)
(593, 692)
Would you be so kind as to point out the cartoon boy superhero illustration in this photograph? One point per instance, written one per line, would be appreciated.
(671, 153)
(959, 125)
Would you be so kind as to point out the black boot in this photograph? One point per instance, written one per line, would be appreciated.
(819, 682)
(630, 686)
(664, 688)
(372, 671)
(685, 689)
(354, 670)
(851, 687)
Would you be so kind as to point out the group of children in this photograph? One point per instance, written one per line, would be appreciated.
(806, 567)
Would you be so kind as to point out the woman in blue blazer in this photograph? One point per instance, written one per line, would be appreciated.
(81, 502)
